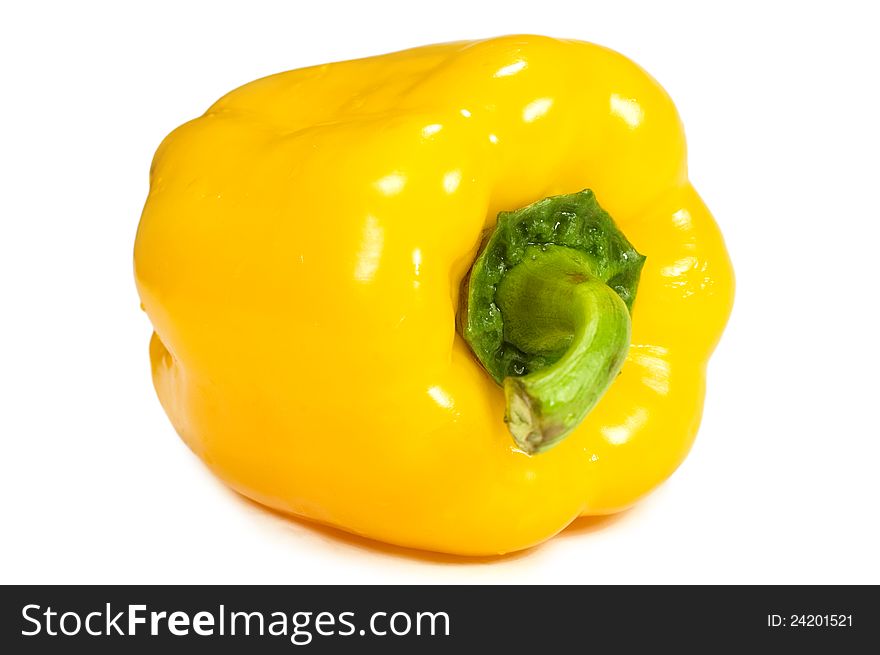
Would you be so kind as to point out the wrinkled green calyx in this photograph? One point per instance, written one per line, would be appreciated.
(546, 310)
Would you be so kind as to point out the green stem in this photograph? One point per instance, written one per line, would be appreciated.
(552, 304)
(546, 310)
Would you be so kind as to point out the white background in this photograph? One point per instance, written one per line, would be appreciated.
(781, 106)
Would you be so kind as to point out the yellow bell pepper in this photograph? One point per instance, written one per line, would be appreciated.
(304, 258)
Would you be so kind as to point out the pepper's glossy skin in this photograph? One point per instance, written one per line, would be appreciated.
(300, 256)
